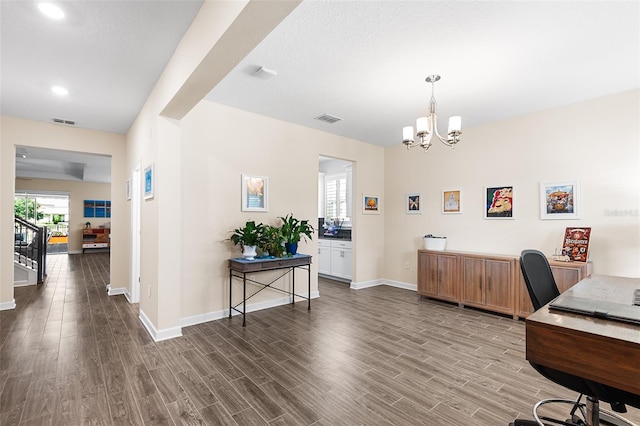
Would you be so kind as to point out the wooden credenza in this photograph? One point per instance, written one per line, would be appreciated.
(95, 238)
(487, 281)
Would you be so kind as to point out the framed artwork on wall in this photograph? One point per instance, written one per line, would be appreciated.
(560, 200)
(149, 181)
(370, 204)
(413, 203)
(498, 202)
(452, 201)
(255, 193)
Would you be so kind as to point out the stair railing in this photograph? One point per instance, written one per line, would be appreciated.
(30, 246)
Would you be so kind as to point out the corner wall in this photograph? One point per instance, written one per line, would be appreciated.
(596, 142)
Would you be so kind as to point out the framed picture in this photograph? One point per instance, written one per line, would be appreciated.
(255, 193)
(149, 181)
(413, 203)
(498, 202)
(452, 201)
(127, 189)
(560, 200)
(370, 204)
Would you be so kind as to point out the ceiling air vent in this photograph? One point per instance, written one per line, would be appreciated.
(61, 121)
(328, 118)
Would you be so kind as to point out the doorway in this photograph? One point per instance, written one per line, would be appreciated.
(135, 233)
(335, 214)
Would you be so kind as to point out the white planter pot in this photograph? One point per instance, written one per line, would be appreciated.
(435, 243)
(249, 252)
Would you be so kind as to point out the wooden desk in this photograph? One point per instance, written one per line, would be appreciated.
(239, 268)
(602, 350)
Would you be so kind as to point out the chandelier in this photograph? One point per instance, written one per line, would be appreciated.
(427, 126)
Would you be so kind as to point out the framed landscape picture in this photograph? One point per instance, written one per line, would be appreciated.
(255, 193)
(498, 202)
(560, 200)
(452, 201)
(413, 203)
(370, 204)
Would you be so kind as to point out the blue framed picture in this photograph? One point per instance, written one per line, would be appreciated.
(148, 182)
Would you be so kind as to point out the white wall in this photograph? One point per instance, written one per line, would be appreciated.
(219, 144)
(596, 142)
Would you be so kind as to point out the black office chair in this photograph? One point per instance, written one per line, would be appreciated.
(542, 289)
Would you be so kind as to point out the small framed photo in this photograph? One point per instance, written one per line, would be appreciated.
(127, 189)
(452, 201)
(370, 204)
(149, 181)
(498, 202)
(255, 193)
(559, 200)
(413, 203)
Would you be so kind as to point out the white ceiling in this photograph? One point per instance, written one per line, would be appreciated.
(362, 61)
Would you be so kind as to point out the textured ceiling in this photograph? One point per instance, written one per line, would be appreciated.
(362, 61)
(366, 62)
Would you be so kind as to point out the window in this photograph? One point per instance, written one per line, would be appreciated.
(336, 197)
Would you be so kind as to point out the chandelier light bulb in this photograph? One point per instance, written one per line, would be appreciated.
(427, 126)
(51, 10)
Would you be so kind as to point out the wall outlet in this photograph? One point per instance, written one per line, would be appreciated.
(406, 265)
(148, 290)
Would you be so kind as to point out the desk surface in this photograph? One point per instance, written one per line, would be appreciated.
(597, 349)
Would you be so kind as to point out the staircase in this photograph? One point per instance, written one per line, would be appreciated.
(30, 252)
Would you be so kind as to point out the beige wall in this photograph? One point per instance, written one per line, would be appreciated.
(219, 144)
(78, 192)
(596, 142)
(14, 131)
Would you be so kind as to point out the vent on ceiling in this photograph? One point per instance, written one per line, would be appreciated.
(328, 118)
(61, 121)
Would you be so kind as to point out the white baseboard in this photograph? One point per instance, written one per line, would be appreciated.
(5, 306)
(400, 284)
(251, 307)
(365, 284)
(115, 291)
(159, 335)
(74, 252)
(382, 281)
(22, 283)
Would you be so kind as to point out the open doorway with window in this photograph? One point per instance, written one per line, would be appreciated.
(44, 209)
(335, 206)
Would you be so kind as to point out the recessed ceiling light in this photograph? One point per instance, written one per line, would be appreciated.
(51, 10)
(59, 90)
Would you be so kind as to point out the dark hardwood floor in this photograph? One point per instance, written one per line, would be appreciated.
(71, 355)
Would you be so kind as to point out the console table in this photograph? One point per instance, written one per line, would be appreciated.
(239, 268)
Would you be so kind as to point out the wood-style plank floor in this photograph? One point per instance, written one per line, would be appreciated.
(72, 355)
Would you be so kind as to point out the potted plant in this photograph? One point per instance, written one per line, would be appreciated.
(293, 230)
(248, 237)
(272, 241)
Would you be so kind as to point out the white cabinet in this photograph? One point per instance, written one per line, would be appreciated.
(324, 257)
(340, 261)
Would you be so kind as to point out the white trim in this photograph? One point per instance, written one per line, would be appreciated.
(159, 335)
(224, 313)
(115, 291)
(402, 285)
(23, 283)
(5, 306)
(74, 252)
(382, 281)
(366, 284)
